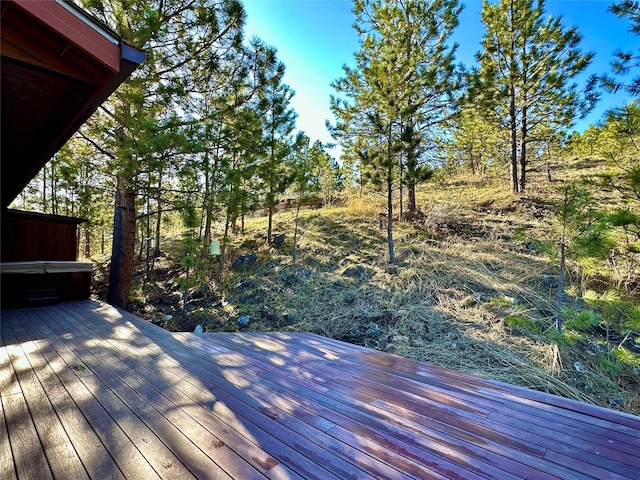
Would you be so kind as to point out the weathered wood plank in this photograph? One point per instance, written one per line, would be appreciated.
(344, 410)
(157, 391)
(577, 428)
(290, 405)
(7, 464)
(28, 454)
(62, 457)
(188, 453)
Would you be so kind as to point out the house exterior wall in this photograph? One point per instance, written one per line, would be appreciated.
(26, 239)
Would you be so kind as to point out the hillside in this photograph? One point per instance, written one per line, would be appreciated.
(474, 289)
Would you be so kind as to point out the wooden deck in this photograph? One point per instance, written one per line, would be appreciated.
(88, 391)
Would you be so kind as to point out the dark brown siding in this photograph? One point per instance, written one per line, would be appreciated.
(28, 237)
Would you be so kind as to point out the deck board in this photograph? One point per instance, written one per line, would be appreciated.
(88, 391)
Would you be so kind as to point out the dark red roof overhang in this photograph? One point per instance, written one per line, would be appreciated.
(58, 65)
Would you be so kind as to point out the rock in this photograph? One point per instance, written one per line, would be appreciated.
(196, 295)
(287, 276)
(278, 239)
(168, 318)
(291, 316)
(373, 330)
(549, 281)
(156, 321)
(243, 321)
(244, 261)
(189, 307)
(338, 285)
(198, 329)
(580, 367)
(616, 401)
(248, 283)
(171, 300)
(355, 271)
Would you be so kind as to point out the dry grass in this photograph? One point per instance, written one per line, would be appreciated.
(466, 293)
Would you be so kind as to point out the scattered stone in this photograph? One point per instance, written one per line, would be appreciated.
(248, 283)
(580, 367)
(168, 318)
(197, 294)
(278, 239)
(216, 304)
(287, 276)
(373, 330)
(171, 300)
(355, 271)
(244, 261)
(198, 329)
(243, 321)
(454, 345)
(616, 401)
(189, 307)
(549, 281)
(156, 321)
(338, 285)
(291, 316)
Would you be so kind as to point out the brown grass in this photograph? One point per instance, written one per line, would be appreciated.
(465, 267)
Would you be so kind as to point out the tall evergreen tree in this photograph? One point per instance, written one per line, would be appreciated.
(625, 61)
(278, 122)
(172, 32)
(525, 79)
(398, 90)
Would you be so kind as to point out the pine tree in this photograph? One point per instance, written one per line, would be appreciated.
(172, 32)
(525, 77)
(399, 90)
(278, 122)
(625, 61)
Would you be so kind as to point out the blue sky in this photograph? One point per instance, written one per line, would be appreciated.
(315, 38)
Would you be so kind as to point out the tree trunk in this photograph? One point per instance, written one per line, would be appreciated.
(560, 286)
(392, 255)
(87, 243)
(269, 229)
(295, 233)
(513, 130)
(223, 244)
(411, 198)
(122, 250)
(401, 190)
(523, 151)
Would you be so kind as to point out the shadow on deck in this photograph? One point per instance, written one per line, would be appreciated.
(88, 391)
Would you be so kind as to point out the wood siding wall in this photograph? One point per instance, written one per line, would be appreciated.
(25, 239)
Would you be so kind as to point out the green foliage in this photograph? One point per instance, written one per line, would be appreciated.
(523, 322)
(608, 364)
(625, 357)
(403, 87)
(581, 321)
(625, 61)
(616, 309)
(565, 337)
(525, 81)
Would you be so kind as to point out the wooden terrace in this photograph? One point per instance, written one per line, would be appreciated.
(88, 391)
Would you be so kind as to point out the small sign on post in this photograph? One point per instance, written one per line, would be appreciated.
(215, 248)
